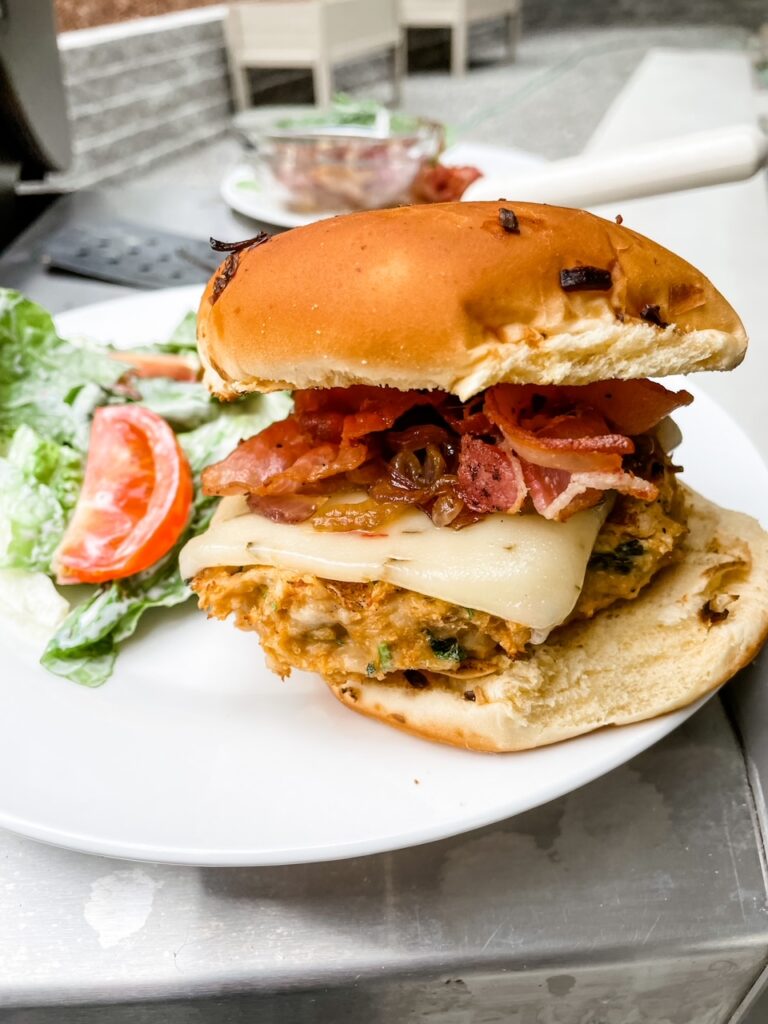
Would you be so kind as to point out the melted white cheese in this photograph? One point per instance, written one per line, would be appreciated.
(522, 568)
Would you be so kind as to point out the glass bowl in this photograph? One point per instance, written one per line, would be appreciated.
(359, 159)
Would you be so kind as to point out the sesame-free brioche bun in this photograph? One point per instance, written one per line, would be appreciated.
(690, 630)
(442, 296)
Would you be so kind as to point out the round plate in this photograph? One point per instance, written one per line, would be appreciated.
(195, 753)
(250, 189)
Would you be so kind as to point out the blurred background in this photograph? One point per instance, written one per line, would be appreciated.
(151, 87)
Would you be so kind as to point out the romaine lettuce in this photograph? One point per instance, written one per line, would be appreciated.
(86, 645)
(48, 391)
(39, 484)
(45, 382)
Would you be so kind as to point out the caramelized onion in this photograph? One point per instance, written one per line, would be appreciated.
(446, 508)
(434, 464)
(418, 437)
(405, 470)
(386, 490)
(350, 515)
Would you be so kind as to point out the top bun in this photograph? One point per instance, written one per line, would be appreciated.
(442, 296)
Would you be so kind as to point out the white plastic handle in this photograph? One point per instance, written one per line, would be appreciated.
(706, 158)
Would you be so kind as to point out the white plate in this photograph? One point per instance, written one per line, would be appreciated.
(194, 753)
(250, 189)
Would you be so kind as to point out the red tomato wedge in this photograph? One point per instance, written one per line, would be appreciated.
(135, 500)
(159, 364)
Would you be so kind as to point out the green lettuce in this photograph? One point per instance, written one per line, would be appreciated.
(84, 648)
(45, 382)
(183, 340)
(49, 389)
(185, 404)
(39, 484)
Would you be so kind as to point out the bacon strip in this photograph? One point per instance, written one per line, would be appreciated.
(286, 508)
(561, 445)
(321, 438)
(490, 480)
(631, 406)
(280, 460)
(557, 494)
(579, 442)
(466, 422)
(365, 409)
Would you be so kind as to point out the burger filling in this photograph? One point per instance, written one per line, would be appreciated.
(361, 462)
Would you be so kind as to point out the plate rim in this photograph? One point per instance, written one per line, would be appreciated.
(320, 854)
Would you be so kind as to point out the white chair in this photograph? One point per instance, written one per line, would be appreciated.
(312, 34)
(458, 15)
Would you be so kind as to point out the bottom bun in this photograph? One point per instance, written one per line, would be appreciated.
(689, 631)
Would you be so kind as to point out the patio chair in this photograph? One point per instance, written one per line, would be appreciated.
(458, 15)
(313, 34)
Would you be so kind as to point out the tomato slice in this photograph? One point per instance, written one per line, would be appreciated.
(159, 364)
(135, 500)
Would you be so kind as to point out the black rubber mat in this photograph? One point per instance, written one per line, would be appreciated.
(129, 254)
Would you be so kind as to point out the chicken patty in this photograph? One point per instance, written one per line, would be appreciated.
(340, 629)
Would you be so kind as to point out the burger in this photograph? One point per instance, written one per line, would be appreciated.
(471, 525)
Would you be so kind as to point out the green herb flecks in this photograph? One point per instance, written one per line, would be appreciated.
(446, 647)
(385, 658)
(620, 560)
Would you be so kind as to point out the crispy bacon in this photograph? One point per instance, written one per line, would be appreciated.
(285, 508)
(365, 409)
(490, 480)
(563, 446)
(578, 442)
(280, 460)
(558, 494)
(631, 406)
(469, 418)
(257, 460)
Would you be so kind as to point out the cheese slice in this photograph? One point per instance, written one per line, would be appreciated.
(523, 568)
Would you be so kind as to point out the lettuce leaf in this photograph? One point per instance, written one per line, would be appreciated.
(39, 484)
(85, 647)
(183, 339)
(185, 404)
(45, 382)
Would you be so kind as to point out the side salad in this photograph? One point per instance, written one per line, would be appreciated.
(100, 460)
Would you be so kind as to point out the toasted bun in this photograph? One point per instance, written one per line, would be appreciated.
(636, 660)
(443, 297)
